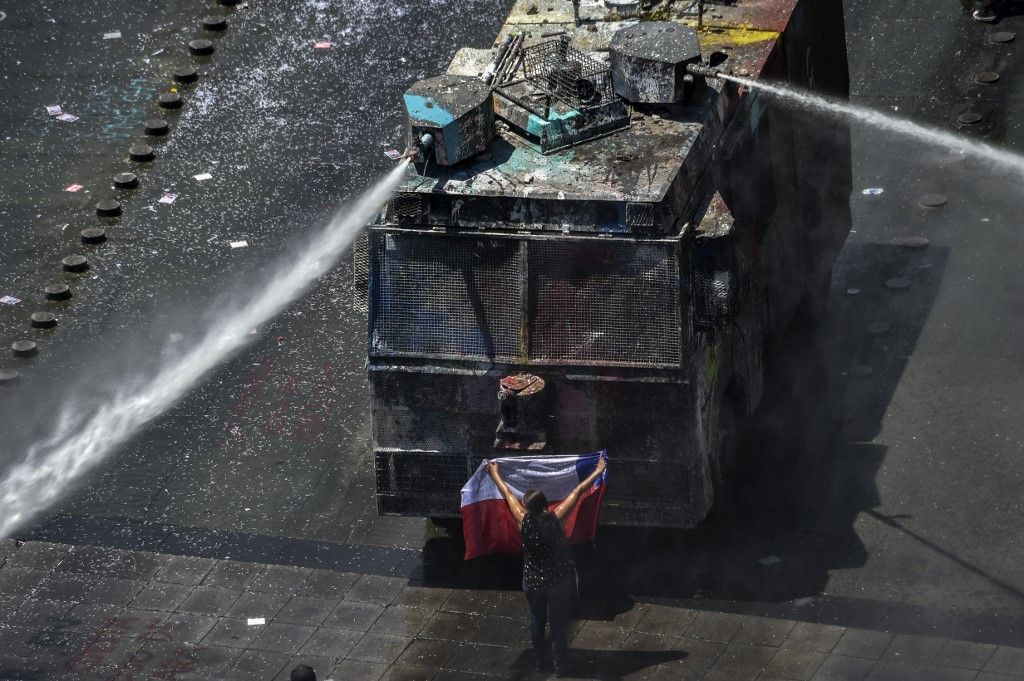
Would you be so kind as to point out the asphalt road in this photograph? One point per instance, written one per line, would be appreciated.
(883, 473)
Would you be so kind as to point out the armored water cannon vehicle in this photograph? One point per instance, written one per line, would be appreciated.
(597, 245)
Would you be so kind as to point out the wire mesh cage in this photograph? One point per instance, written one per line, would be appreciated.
(361, 272)
(567, 74)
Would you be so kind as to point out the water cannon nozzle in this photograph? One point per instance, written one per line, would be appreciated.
(419, 148)
(704, 70)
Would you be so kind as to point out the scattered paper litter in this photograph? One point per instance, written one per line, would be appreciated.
(168, 198)
(872, 191)
(770, 560)
(54, 110)
(256, 621)
(10, 300)
(802, 601)
(203, 176)
(323, 45)
(393, 154)
(112, 35)
(67, 118)
(73, 188)
(239, 244)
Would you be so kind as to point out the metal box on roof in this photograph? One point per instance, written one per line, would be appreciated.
(456, 110)
(649, 61)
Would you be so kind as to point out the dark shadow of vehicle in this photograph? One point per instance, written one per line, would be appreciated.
(807, 465)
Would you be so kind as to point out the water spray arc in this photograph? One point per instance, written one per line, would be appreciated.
(80, 441)
(993, 156)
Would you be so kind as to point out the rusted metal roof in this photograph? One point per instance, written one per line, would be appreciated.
(661, 153)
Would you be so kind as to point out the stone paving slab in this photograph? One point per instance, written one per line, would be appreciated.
(81, 612)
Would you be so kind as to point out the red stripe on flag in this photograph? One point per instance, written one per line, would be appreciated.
(581, 524)
(488, 527)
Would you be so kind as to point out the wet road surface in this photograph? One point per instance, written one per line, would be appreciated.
(883, 472)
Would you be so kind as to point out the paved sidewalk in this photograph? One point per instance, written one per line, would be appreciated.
(99, 613)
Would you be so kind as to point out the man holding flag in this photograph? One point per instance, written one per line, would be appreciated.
(540, 528)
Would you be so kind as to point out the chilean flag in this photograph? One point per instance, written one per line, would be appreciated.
(487, 522)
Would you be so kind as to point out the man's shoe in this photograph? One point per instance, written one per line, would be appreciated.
(984, 14)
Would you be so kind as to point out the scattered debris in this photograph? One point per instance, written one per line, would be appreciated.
(802, 601)
(10, 300)
(54, 110)
(852, 291)
(67, 118)
(872, 191)
(112, 35)
(168, 198)
(323, 45)
(238, 244)
(393, 154)
(74, 188)
(202, 177)
(256, 621)
(769, 560)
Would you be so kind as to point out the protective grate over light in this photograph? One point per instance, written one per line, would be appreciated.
(567, 74)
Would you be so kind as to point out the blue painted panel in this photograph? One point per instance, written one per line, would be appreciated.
(427, 110)
(535, 125)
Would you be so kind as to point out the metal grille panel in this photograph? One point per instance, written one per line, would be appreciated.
(601, 302)
(360, 272)
(640, 214)
(407, 208)
(430, 473)
(447, 298)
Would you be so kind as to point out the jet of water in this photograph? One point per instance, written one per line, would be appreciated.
(81, 440)
(993, 156)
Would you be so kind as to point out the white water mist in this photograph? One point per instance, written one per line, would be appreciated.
(79, 441)
(993, 156)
